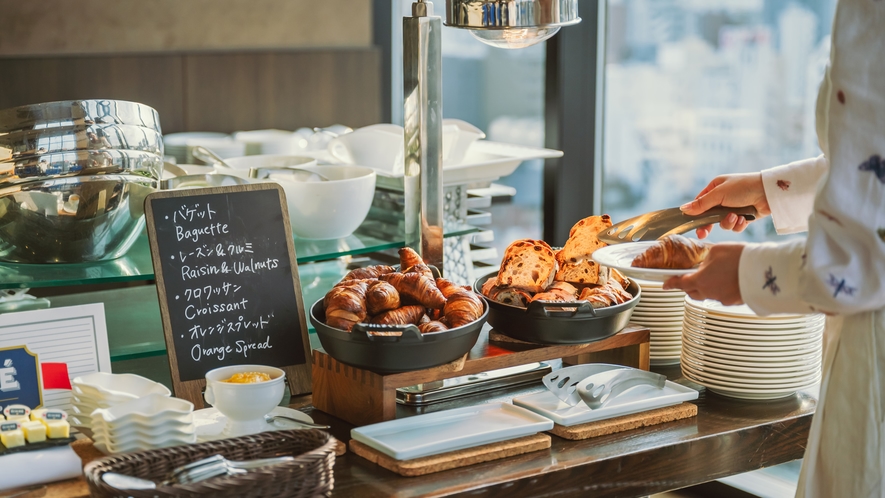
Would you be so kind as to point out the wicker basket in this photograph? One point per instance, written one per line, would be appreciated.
(309, 475)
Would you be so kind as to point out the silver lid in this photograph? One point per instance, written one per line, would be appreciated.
(506, 14)
(78, 112)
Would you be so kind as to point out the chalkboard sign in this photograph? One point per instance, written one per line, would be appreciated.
(227, 279)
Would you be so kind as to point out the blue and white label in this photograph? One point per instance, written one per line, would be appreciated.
(20, 382)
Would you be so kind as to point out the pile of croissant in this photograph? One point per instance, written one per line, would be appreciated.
(382, 295)
(533, 271)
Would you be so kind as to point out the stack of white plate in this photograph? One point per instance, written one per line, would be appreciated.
(661, 311)
(154, 421)
(103, 390)
(734, 352)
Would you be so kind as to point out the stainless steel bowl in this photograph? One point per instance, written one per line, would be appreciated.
(72, 220)
(80, 162)
(25, 143)
(78, 112)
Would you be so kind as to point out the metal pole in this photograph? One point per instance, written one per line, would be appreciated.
(422, 119)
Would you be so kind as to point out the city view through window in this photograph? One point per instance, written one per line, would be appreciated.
(699, 88)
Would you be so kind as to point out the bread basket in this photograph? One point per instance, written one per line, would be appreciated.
(310, 474)
(546, 322)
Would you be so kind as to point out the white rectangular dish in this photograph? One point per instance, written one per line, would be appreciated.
(450, 430)
(635, 400)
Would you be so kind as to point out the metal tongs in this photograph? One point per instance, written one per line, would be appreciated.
(657, 224)
(597, 384)
(200, 470)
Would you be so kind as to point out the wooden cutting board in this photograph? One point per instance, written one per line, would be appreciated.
(626, 422)
(452, 459)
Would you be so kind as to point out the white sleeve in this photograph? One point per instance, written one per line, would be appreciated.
(790, 192)
(842, 264)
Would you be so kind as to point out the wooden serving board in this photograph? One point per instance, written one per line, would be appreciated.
(626, 422)
(452, 459)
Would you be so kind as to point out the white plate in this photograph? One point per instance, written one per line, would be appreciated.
(728, 382)
(620, 256)
(752, 340)
(738, 369)
(751, 326)
(755, 328)
(742, 311)
(743, 353)
(753, 395)
(654, 305)
(731, 361)
(635, 400)
(665, 313)
(747, 376)
(450, 430)
(805, 341)
(662, 362)
(210, 422)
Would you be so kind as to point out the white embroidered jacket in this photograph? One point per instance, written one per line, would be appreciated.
(838, 197)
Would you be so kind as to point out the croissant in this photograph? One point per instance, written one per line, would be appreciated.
(448, 288)
(422, 269)
(380, 297)
(434, 326)
(416, 287)
(409, 258)
(462, 308)
(346, 306)
(673, 252)
(369, 272)
(400, 316)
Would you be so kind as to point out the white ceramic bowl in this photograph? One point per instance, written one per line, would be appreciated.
(317, 209)
(244, 405)
(458, 136)
(101, 384)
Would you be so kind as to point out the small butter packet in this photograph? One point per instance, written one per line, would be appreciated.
(17, 412)
(48, 414)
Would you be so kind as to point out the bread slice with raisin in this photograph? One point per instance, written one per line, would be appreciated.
(529, 265)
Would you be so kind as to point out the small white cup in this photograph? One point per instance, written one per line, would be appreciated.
(244, 405)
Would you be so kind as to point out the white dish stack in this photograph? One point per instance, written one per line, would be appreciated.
(154, 421)
(734, 352)
(104, 390)
(661, 311)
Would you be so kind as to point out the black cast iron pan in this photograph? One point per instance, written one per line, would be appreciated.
(411, 350)
(547, 322)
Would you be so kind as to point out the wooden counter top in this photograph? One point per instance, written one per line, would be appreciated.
(727, 437)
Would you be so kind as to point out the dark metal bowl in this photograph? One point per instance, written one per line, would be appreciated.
(389, 354)
(547, 322)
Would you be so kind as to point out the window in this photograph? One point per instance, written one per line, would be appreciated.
(698, 88)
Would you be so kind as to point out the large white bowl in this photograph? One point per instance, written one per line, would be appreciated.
(323, 210)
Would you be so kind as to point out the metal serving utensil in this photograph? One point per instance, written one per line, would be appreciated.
(597, 384)
(197, 471)
(596, 394)
(207, 156)
(657, 224)
(271, 418)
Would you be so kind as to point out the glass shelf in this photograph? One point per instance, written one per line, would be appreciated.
(136, 265)
(135, 329)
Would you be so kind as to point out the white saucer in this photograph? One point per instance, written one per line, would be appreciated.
(210, 423)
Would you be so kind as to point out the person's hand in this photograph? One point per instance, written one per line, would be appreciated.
(738, 190)
(717, 277)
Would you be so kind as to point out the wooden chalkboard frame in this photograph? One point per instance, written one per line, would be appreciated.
(299, 376)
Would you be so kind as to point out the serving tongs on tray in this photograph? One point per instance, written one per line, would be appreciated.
(657, 224)
(598, 384)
